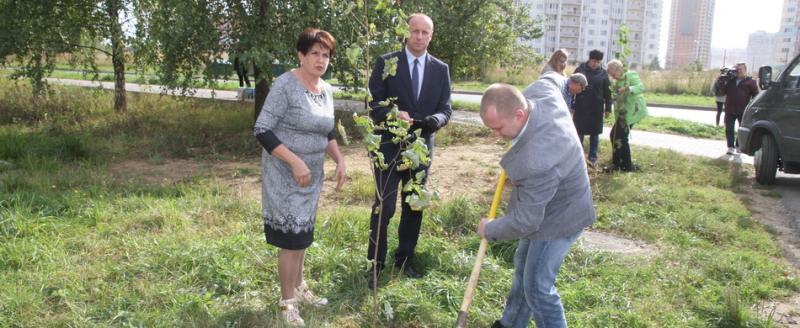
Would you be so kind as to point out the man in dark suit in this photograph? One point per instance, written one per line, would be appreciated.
(421, 86)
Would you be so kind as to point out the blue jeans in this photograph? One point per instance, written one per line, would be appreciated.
(533, 292)
(594, 140)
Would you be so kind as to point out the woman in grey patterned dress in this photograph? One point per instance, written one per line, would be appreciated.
(295, 127)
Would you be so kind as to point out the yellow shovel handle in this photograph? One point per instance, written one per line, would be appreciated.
(461, 322)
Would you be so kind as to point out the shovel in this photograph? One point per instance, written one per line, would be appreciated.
(461, 322)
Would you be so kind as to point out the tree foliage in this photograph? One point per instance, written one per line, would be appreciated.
(473, 35)
(36, 32)
(623, 46)
(655, 64)
(180, 39)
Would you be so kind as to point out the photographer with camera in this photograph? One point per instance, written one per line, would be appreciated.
(738, 89)
(716, 89)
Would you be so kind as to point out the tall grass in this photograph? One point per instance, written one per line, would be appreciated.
(676, 82)
(679, 82)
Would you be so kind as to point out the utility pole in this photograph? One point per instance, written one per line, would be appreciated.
(724, 56)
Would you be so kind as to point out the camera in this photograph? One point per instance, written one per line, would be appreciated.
(728, 73)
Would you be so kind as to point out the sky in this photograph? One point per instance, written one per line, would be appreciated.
(734, 20)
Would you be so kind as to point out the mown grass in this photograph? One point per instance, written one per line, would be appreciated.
(680, 127)
(83, 246)
(681, 100)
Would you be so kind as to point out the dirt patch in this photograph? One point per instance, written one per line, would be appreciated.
(766, 207)
(243, 177)
(784, 312)
(457, 170)
(602, 241)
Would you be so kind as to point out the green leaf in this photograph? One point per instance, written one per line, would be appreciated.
(372, 142)
(389, 67)
(342, 133)
(353, 53)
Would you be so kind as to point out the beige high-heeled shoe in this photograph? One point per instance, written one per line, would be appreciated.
(305, 296)
(290, 312)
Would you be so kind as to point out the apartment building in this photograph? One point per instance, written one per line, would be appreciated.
(690, 32)
(582, 25)
(788, 36)
(761, 48)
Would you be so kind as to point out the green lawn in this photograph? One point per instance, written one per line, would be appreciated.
(86, 243)
(680, 127)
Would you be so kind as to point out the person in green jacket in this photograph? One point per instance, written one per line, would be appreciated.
(629, 108)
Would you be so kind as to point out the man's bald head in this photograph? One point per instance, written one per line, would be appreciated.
(420, 16)
(505, 99)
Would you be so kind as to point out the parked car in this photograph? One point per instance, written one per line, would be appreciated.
(770, 129)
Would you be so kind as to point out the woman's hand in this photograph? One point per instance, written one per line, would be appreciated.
(301, 173)
(622, 90)
(341, 175)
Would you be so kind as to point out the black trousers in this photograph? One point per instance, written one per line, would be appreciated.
(730, 129)
(621, 150)
(387, 183)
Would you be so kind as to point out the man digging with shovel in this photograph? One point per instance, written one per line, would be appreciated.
(551, 200)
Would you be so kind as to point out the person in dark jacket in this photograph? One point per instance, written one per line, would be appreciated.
(593, 104)
(738, 93)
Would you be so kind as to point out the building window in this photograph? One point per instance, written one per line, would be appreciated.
(787, 39)
(790, 9)
(603, 32)
(602, 43)
(604, 22)
(591, 32)
(593, 11)
(590, 43)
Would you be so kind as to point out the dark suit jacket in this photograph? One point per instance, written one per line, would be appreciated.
(434, 97)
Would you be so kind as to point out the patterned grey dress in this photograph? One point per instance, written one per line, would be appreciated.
(302, 121)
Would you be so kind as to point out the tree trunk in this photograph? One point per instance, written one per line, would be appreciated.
(262, 90)
(117, 56)
(262, 83)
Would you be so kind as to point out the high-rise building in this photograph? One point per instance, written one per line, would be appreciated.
(788, 37)
(582, 25)
(690, 32)
(761, 48)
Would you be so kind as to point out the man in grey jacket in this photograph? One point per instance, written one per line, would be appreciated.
(550, 203)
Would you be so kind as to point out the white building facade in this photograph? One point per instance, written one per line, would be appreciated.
(761, 49)
(583, 25)
(788, 36)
